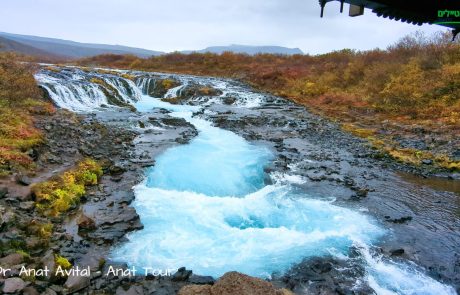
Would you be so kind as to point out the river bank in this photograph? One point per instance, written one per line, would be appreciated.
(312, 155)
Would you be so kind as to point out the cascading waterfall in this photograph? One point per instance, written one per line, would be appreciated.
(76, 96)
(77, 90)
(146, 83)
(204, 205)
(126, 88)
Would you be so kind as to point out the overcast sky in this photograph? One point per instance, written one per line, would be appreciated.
(169, 25)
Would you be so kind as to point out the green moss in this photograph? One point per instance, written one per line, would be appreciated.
(62, 262)
(24, 254)
(58, 195)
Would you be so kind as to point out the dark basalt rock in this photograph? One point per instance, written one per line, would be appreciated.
(85, 223)
(159, 87)
(198, 90)
(23, 180)
(176, 122)
(201, 280)
(400, 220)
(228, 100)
(3, 192)
(397, 252)
(182, 274)
(326, 275)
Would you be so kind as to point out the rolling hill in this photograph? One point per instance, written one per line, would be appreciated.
(247, 49)
(33, 45)
(64, 49)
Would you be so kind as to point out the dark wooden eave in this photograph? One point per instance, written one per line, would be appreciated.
(416, 12)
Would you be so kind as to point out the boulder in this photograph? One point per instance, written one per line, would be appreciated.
(49, 262)
(3, 192)
(201, 280)
(196, 90)
(427, 161)
(85, 223)
(397, 252)
(12, 259)
(116, 170)
(30, 291)
(228, 100)
(13, 285)
(234, 283)
(76, 283)
(133, 290)
(49, 291)
(182, 274)
(6, 216)
(23, 180)
(160, 87)
(27, 205)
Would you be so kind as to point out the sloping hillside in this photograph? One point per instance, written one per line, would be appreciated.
(8, 45)
(251, 50)
(71, 49)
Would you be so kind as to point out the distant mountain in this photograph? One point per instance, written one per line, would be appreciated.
(51, 47)
(251, 50)
(10, 45)
(34, 45)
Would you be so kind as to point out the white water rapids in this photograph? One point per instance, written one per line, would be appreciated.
(204, 205)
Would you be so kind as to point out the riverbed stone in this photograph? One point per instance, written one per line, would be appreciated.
(133, 290)
(49, 262)
(233, 283)
(201, 280)
(3, 192)
(182, 274)
(76, 283)
(12, 259)
(13, 285)
(30, 291)
(23, 180)
(85, 223)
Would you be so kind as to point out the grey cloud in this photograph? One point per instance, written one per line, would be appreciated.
(185, 24)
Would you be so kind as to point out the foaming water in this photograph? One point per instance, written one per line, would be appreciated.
(258, 234)
(80, 91)
(388, 277)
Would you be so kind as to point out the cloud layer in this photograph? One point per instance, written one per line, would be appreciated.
(184, 24)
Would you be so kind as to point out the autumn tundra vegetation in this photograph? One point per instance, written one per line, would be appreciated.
(411, 87)
(21, 102)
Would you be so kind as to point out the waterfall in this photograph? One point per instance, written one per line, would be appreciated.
(146, 83)
(175, 91)
(88, 90)
(77, 90)
(77, 96)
